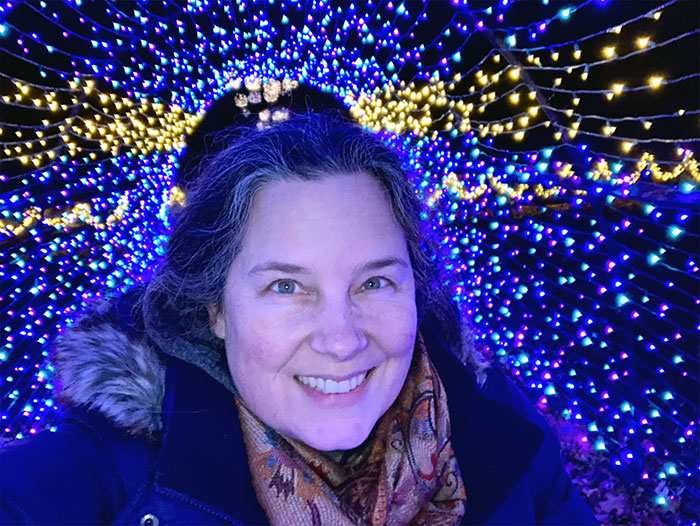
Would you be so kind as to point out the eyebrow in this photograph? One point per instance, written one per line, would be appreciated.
(286, 268)
(380, 264)
(289, 268)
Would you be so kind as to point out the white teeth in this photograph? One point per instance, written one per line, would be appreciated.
(327, 386)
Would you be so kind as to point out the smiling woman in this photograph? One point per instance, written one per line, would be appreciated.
(295, 360)
(337, 305)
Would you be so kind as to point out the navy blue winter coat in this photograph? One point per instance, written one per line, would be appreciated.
(194, 469)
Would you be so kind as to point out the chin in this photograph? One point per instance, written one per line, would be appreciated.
(342, 438)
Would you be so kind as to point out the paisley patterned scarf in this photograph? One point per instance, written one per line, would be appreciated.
(405, 473)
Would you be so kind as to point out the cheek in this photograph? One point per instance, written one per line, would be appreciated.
(258, 340)
(394, 326)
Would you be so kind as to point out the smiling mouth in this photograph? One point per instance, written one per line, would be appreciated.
(328, 386)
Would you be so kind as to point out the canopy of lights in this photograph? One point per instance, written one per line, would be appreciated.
(553, 143)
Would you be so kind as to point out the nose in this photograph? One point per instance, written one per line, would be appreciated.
(338, 330)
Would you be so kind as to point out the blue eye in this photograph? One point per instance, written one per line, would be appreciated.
(375, 283)
(285, 286)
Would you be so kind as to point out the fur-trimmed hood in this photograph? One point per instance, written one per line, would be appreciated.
(106, 362)
(103, 365)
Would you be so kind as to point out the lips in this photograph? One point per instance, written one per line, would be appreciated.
(330, 386)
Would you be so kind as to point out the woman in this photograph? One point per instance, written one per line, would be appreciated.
(294, 361)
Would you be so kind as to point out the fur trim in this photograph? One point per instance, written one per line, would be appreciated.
(100, 368)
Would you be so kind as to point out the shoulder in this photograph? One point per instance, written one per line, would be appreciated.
(554, 498)
(111, 389)
(96, 463)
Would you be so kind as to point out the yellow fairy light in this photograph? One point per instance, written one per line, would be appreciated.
(656, 81)
(555, 56)
(566, 171)
(627, 146)
(505, 189)
(647, 125)
(609, 52)
(617, 88)
(452, 183)
(601, 171)
(519, 136)
(577, 54)
(514, 98)
(514, 73)
(546, 193)
(176, 197)
(642, 42)
(687, 166)
(609, 130)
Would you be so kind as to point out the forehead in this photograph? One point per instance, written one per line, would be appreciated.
(339, 215)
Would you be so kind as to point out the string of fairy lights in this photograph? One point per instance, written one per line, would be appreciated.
(555, 147)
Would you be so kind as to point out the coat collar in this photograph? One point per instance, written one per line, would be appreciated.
(203, 454)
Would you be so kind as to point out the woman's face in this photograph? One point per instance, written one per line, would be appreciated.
(319, 312)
